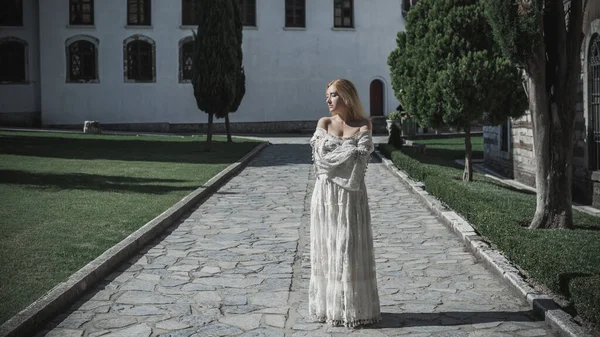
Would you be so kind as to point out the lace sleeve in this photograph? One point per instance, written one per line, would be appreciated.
(318, 135)
(365, 144)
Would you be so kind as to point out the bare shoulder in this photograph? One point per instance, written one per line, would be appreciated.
(367, 126)
(324, 122)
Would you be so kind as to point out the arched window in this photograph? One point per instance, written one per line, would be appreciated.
(13, 60)
(140, 60)
(82, 59)
(594, 102)
(186, 57)
(376, 98)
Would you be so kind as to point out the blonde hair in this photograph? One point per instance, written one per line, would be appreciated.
(347, 91)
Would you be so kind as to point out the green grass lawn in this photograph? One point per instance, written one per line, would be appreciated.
(66, 198)
(566, 262)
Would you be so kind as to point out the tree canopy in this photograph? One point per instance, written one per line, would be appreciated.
(447, 69)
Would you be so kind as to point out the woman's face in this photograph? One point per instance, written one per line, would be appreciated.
(334, 101)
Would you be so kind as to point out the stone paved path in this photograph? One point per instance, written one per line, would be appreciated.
(238, 266)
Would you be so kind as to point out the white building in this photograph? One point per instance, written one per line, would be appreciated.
(124, 63)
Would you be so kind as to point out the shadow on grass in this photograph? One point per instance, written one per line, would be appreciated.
(402, 320)
(439, 157)
(83, 181)
(112, 148)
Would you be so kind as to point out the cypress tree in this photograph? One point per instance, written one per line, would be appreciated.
(217, 61)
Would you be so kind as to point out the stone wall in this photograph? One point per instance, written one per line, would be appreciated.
(519, 162)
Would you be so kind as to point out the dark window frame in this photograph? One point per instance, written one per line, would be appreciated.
(186, 45)
(339, 4)
(139, 52)
(295, 13)
(505, 136)
(88, 58)
(139, 18)
(248, 9)
(188, 13)
(593, 64)
(77, 12)
(11, 16)
(16, 71)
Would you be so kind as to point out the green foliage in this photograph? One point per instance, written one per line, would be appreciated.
(447, 69)
(516, 28)
(565, 261)
(217, 57)
(395, 116)
(586, 296)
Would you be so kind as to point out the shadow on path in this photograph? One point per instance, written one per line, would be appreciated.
(400, 320)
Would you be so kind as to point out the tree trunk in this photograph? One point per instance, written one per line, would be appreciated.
(553, 156)
(209, 132)
(229, 140)
(468, 173)
(553, 78)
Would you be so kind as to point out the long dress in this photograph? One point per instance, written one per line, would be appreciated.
(343, 284)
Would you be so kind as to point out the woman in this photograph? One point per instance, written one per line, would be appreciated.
(343, 285)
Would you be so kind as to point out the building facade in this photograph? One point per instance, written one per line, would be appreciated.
(126, 63)
(509, 149)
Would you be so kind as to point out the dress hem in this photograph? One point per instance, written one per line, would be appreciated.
(348, 324)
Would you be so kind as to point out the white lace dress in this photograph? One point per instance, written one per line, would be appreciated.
(343, 284)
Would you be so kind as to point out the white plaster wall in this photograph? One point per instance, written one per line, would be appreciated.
(286, 70)
(15, 98)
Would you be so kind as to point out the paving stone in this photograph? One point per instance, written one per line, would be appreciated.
(172, 324)
(65, 333)
(217, 329)
(275, 320)
(140, 310)
(245, 322)
(114, 322)
(139, 284)
(143, 297)
(140, 330)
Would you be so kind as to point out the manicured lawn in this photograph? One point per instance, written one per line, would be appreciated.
(66, 198)
(566, 262)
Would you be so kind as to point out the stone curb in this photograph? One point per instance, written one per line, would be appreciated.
(26, 322)
(541, 304)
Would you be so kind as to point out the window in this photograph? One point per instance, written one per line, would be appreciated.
(295, 13)
(343, 13)
(139, 12)
(82, 59)
(505, 135)
(11, 12)
(248, 8)
(186, 57)
(594, 102)
(139, 59)
(81, 12)
(406, 5)
(188, 13)
(13, 60)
